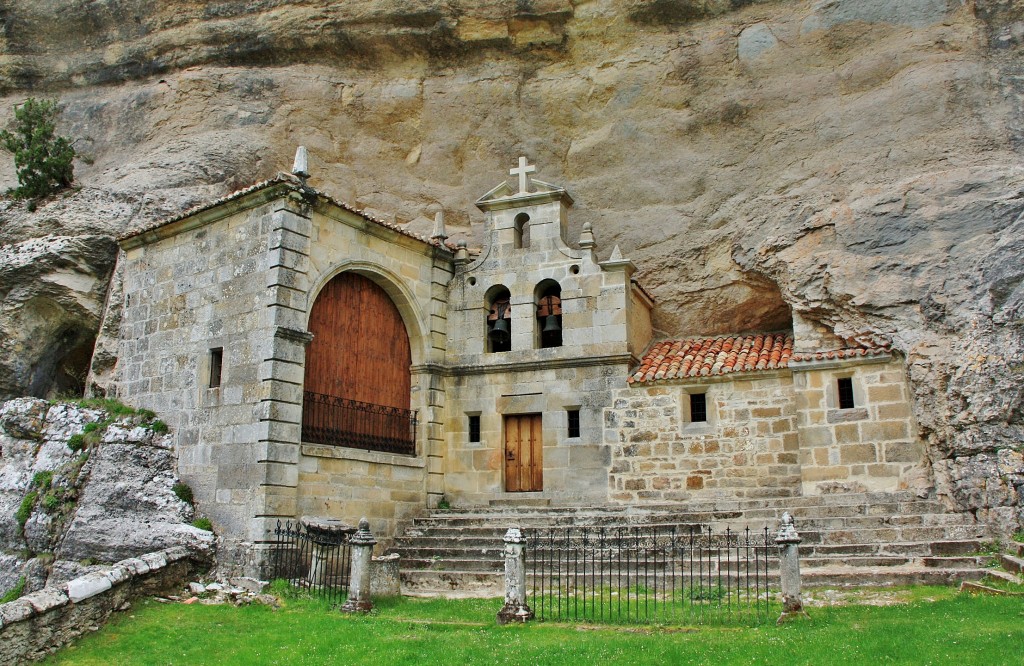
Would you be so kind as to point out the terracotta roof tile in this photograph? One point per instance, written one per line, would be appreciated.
(705, 357)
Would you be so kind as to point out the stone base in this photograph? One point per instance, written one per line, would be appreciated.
(357, 606)
(513, 612)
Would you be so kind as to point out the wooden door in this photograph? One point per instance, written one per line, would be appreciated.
(524, 461)
(360, 349)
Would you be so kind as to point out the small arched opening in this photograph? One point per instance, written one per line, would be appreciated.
(499, 319)
(521, 226)
(549, 314)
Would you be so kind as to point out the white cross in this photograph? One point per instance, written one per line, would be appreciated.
(523, 171)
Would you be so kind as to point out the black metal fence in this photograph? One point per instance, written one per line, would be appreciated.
(665, 575)
(328, 419)
(313, 561)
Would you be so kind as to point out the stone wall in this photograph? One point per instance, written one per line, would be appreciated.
(350, 484)
(40, 623)
(575, 469)
(747, 448)
(873, 446)
(190, 289)
(240, 276)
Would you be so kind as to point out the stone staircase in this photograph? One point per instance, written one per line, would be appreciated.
(849, 539)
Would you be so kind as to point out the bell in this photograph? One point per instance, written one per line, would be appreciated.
(499, 333)
(551, 324)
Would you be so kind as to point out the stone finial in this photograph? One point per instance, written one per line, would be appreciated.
(439, 233)
(787, 530)
(523, 171)
(616, 254)
(587, 236)
(514, 535)
(300, 167)
(461, 252)
(363, 536)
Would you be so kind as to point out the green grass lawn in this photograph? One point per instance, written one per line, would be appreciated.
(936, 626)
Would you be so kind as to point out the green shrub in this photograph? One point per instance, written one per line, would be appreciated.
(15, 592)
(51, 501)
(42, 480)
(24, 511)
(109, 405)
(147, 414)
(158, 426)
(203, 523)
(1019, 536)
(76, 442)
(183, 491)
(91, 427)
(43, 160)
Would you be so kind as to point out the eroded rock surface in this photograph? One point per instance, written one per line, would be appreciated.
(110, 500)
(856, 162)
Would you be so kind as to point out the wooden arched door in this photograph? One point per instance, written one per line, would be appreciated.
(357, 377)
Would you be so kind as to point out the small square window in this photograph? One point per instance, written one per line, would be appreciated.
(474, 427)
(698, 408)
(845, 392)
(216, 366)
(574, 422)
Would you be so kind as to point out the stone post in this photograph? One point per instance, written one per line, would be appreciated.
(789, 569)
(515, 608)
(359, 581)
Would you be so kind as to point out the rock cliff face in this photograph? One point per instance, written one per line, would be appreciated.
(855, 162)
(66, 503)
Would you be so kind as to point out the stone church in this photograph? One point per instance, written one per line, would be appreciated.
(314, 360)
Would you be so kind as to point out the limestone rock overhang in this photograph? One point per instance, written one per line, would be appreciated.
(696, 358)
(281, 185)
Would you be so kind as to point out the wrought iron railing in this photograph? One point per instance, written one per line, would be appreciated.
(313, 561)
(657, 574)
(328, 419)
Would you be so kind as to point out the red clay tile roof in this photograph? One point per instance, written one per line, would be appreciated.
(840, 353)
(293, 181)
(701, 357)
(704, 357)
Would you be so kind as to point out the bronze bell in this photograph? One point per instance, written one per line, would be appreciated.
(499, 333)
(551, 324)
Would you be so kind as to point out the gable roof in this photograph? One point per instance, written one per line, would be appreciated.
(288, 181)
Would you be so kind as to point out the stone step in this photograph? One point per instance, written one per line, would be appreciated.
(692, 512)
(453, 584)
(476, 584)
(1012, 563)
(914, 549)
(845, 576)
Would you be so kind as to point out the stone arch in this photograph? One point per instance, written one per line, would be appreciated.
(547, 297)
(396, 289)
(498, 305)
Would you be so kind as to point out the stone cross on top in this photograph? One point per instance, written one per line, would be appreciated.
(523, 172)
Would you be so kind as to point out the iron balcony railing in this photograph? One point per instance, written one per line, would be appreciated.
(328, 419)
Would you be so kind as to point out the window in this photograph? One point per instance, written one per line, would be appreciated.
(521, 231)
(474, 427)
(845, 392)
(574, 422)
(216, 366)
(698, 408)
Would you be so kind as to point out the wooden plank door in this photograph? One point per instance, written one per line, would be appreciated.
(524, 461)
(360, 349)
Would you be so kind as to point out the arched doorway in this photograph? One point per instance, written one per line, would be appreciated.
(357, 381)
